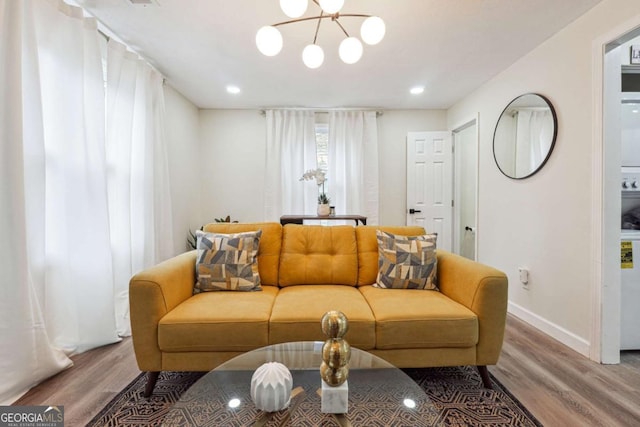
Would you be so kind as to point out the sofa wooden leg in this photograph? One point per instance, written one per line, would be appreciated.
(484, 374)
(152, 377)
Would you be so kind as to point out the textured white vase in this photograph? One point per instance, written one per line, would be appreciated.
(271, 387)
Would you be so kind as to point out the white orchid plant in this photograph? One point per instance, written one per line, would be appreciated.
(319, 176)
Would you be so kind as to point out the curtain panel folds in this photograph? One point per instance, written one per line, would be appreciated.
(353, 163)
(291, 151)
(26, 353)
(352, 175)
(140, 220)
(82, 208)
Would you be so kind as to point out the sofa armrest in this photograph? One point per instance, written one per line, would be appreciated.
(152, 294)
(483, 290)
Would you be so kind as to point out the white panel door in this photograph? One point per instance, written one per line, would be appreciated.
(430, 184)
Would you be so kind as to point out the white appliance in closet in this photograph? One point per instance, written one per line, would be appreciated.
(630, 224)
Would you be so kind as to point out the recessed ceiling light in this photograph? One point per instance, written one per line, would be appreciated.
(417, 90)
(634, 111)
(233, 89)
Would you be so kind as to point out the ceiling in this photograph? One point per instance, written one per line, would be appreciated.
(450, 47)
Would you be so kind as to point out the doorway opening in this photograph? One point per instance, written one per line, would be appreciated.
(465, 189)
(611, 52)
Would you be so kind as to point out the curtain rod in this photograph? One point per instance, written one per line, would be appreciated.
(322, 110)
(108, 39)
(515, 111)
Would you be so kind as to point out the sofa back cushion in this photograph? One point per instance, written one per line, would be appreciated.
(270, 244)
(368, 249)
(318, 255)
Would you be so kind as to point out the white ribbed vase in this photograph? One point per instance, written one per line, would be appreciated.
(271, 387)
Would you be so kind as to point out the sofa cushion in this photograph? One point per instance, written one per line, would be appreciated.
(218, 321)
(410, 318)
(269, 250)
(227, 262)
(406, 262)
(368, 249)
(317, 255)
(298, 310)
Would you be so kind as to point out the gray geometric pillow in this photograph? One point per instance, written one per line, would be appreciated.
(227, 262)
(406, 262)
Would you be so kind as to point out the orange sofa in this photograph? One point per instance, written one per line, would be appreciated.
(306, 271)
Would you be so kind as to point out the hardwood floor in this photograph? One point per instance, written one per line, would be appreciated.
(84, 389)
(559, 386)
(563, 388)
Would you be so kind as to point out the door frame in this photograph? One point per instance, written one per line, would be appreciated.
(605, 275)
(464, 124)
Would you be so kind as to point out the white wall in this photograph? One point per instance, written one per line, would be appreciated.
(233, 153)
(232, 164)
(544, 222)
(183, 150)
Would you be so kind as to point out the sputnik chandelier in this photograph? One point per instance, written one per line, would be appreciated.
(269, 39)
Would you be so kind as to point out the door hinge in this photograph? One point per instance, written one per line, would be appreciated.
(452, 203)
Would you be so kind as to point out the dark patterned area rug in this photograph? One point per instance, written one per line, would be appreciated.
(456, 393)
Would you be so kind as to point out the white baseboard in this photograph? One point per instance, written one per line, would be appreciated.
(567, 338)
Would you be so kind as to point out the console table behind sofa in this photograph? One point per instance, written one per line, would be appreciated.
(298, 219)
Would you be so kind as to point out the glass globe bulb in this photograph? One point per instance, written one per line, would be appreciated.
(313, 56)
(350, 50)
(372, 30)
(269, 41)
(294, 8)
(331, 6)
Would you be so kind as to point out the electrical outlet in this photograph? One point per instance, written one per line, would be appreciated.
(524, 276)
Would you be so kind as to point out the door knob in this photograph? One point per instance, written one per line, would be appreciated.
(412, 211)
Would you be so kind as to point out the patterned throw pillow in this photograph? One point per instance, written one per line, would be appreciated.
(406, 262)
(227, 262)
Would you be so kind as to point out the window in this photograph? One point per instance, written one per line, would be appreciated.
(322, 149)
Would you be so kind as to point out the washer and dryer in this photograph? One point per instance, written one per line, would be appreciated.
(630, 224)
(630, 260)
(630, 290)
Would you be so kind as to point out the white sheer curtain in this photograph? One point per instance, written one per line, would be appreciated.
(353, 163)
(74, 210)
(138, 173)
(291, 150)
(56, 274)
(534, 133)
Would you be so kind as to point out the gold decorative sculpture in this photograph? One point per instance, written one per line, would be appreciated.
(336, 351)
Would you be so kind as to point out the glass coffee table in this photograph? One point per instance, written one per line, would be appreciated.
(379, 393)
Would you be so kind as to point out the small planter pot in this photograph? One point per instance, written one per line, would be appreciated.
(324, 209)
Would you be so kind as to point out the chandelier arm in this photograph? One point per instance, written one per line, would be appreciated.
(341, 27)
(315, 37)
(311, 18)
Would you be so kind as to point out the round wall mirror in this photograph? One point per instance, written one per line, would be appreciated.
(525, 135)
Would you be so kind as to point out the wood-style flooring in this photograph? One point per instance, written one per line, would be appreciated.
(559, 386)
